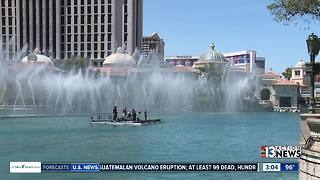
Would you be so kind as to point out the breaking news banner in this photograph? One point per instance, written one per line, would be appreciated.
(116, 167)
(39, 167)
(280, 151)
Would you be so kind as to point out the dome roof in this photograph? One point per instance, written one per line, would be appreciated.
(119, 58)
(37, 58)
(213, 56)
(301, 63)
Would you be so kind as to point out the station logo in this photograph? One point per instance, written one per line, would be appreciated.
(280, 152)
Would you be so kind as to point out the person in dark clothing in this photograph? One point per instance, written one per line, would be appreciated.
(134, 115)
(145, 115)
(115, 113)
(124, 113)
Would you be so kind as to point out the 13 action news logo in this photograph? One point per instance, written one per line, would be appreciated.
(280, 151)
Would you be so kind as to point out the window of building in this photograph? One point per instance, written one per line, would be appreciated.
(102, 28)
(69, 19)
(82, 37)
(69, 38)
(82, 9)
(89, 46)
(95, 28)
(102, 37)
(96, 19)
(102, 19)
(95, 55)
(109, 27)
(109, 36)
(75, 9)
(89, 37)
(89, 19)
(69, 29)
(62, 10)
(89, 29)
(95, 37)
(102, 54)
(109, 46)
(109, 18)
(102, 8)
(75, 47)
(62, 29)
(82, 19)
(297, 73)
(125, 9)
(95, 9)
(62, 38)
(82, 47)
(89, 10)
(75, 19)
(102, 46)
(109, 8)
(62, 20)
(82, 2)
(126, 18)
(75, 38)
(95, 46)
(82, 29)
(68, 9)
(68, 47)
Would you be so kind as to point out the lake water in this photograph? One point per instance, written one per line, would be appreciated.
(191, 138)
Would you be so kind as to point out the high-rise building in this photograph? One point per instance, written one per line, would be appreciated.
(153, 43)
(61, 29)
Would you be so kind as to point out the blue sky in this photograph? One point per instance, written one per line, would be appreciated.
(188, 27)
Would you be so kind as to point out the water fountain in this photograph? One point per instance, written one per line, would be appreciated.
(34, 84)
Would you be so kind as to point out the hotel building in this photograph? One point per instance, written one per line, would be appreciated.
(61, 29)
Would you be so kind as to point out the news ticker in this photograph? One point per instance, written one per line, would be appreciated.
(38, 167)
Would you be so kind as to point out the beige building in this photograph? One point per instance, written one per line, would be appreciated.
(64, 28)
(153, 43)
(281, 94)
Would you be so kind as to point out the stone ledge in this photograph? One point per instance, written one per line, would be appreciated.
(307, 176)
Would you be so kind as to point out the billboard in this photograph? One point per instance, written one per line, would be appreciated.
(239, 59)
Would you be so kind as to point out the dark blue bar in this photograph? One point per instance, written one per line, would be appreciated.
(289, 167)
(85, 167)
(55, 167)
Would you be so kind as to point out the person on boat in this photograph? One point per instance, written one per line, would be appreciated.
(134, 115)
(129, 115)
(124, 113)
(139, 116)
(115, 113)
(145, 115)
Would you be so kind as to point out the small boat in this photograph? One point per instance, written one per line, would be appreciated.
(117, 123)
(107, 120)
